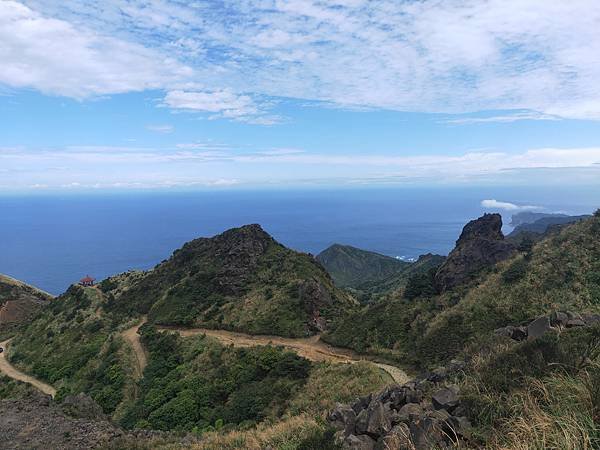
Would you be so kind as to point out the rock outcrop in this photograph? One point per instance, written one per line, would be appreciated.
(480, 245)
(554, 322)
(38, 422)
(404, 417)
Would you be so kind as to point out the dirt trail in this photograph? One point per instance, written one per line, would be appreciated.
(133, 338)
(10, 371)
(311, 348)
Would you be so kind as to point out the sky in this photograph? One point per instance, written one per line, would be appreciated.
(220, 94)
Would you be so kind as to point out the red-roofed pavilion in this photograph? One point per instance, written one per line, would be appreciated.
(87, 281)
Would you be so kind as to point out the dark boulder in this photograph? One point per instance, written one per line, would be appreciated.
(379, 422)
(571, 323)
(446, 398)
(410, 411)
(427, 434)
(516, 333)
(538, 327)
(359, 442)
(362, 403)
(343, 418)
(591, 319)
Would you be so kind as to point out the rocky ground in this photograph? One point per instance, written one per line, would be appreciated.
(37, 422)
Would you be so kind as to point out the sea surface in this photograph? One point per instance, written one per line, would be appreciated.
(53, 240)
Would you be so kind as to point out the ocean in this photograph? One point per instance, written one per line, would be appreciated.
(53, 240)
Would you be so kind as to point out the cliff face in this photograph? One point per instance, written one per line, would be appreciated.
(480, 245)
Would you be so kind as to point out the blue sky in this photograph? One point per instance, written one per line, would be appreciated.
(169, 94)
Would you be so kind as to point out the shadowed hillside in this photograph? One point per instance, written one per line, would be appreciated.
(19, 302)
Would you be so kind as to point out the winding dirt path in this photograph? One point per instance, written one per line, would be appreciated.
(311, 348)
(10, 371)
(133, 338)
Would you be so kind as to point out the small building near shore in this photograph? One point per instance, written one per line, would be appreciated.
(87, 281)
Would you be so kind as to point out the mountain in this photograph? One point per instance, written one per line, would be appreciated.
(526, 217)
(509, 360)
(19, 302)
(240, 280)
(352, 267)
(507, 350)
(480, 245)
(396, 282)
(542, 225)
(561, 271)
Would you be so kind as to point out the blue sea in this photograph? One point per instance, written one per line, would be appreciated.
(53, 240)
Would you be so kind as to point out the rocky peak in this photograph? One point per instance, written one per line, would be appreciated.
(489, 226)
(480, 245)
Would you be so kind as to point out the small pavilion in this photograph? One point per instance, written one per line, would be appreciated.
(87, 281)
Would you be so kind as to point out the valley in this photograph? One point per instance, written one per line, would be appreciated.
(311, 348)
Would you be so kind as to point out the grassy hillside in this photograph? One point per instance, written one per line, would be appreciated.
(537, 394)
(240, 280)
(396, 283)
(74, 347)
(560, 272)
(351, 266)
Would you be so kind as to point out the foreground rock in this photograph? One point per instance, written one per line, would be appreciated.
(404, 418)
(37, 422)
(480, 245)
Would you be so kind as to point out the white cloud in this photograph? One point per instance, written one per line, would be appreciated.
(427, 55)
(55, 57)
(223, 103)
(163, 129)
(506, 118)
(495, 204)
(189, 163)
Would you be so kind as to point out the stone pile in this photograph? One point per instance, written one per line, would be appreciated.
(554, 322)
(404, 418)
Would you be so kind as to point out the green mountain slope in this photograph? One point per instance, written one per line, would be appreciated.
(398, 281)
(239, 280)
(352, 267)
(76, 348)
(560, 272)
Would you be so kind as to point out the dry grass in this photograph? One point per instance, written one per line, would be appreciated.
(287, 434)
(329, 384)
(552, 414)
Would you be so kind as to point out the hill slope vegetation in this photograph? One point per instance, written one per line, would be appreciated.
(350, 266)
(240, 280)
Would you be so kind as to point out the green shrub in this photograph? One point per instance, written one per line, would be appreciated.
(515, 271)
(197, 384)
